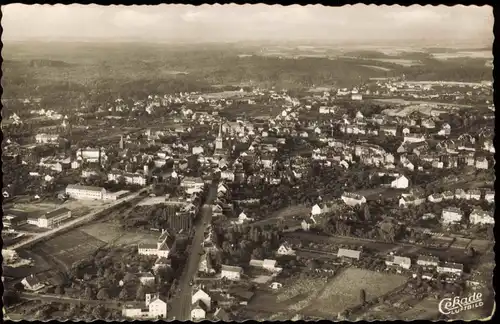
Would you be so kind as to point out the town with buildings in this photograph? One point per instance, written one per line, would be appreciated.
(373, 201)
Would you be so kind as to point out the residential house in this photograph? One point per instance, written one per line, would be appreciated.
(146, 278)
(451, 268)
(398, 261)
(448, 195)
(161, 248)
(414, 138)
(474, 194)
(401, 182)
(32, 283)
(352, 199)
(227, 175)
(46, 138)
(479, 216)
(348, 254)
(435, 198)
(451, 215)
(285, 249)
(231, 272)
(460, 194)
(206, 264)
(202, 296)
(156, 307)
(389, 130)
(428, 123)
(198, 311)
(267, 264)
(481, 163)
(316, 210)
(489, 196)
(410, 201)
(437, 164)
(427, 261)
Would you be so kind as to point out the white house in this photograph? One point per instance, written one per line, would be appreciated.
(394, 260)
(479, 216)
(353, 199)
(197, 150)
(146, 278)
(428, 261)
(32, 283)
(401, 182)
(489, 196)
(451, 215)
(316, 210)
(198, 311)
(435, 198)
(231, 272)
(481, 163)
(202, 296)
(156, 307)
(451, 268)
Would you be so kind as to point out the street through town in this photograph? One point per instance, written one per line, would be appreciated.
(181, 307)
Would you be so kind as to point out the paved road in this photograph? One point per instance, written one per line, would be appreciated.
(75, 222)
(181, 307)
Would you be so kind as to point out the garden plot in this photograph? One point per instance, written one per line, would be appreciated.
(344, 290)
(69, 247)
(113, 234)
(426, 309)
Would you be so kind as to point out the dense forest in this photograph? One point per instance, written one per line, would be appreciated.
(136, 69)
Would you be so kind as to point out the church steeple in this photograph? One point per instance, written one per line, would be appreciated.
(219, 140)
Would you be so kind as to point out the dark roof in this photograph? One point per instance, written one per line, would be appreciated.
(200, 304)
(55, 213)
(80, 187)
(222, 315)
(241, 293)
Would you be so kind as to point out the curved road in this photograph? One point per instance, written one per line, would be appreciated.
(181, 306)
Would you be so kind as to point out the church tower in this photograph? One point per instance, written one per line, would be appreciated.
(121, 142)
(219, 140)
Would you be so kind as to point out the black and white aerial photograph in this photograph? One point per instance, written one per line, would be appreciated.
(247, 162)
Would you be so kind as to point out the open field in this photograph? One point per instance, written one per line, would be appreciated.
(402, 62)
(343, 291)
(472, 54)
(294, 296)
(426, 309)
(113, 234)
(376, 67)
(69, 247)
(152, 201)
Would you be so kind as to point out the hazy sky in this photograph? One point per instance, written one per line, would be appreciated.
(246, 22)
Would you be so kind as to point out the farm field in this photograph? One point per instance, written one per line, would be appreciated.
(472, 54)
(113, 234)
(292, 298)
(403, 62)
(377, 67)
(69, 247)
(426, 309)
(343, 291)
